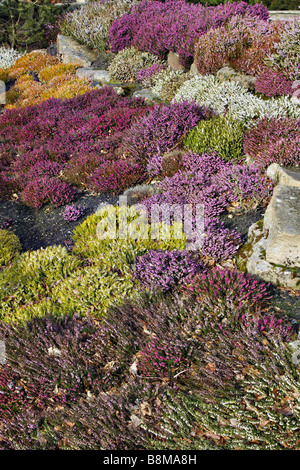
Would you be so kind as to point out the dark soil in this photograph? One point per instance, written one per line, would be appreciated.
(45, 227)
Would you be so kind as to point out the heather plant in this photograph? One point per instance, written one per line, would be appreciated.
(287, 52)
(45, 189)
(90, 23)
(244, 185)
(162, 359)
(179, 27)
(8, 57)
(256, 56)
(128, 63)
(147, 75)
(232, 98)
(12, 395)
(165, 270)
(63, 359)
(4, 75)
(48, 73)
(272, 82)
(217, 288)
(273, 141)
(32, 63)
(222, 134)
(114, 177)
(29, 92)
(156, 133)
(78, 359)
(68, 132)
(10, 246)
(102, 247)
(227, 44)
(94, 276)
(253, 403)
(139, 192)
(27, 281)
(72, 212)
(167, 82)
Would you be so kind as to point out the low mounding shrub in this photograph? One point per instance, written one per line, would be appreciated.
(273, 83)
(38, 142)
(72, 212)
(147, 75)
(208, 180)
(179, 27)
(90, 23)
(78, 374)
(4, 75)
(114, 177)
(28, 92)
(222, 134)
(287, 50)
(128, 63)
(156, 133)
(45, 189)
(165, 269)
(32, 63)
(227, 44)
(167, 82)
(233, 98)
(218, 288)
(8, 57)
(89, 280)
(10, 246)
(274, 141)
(48, 73)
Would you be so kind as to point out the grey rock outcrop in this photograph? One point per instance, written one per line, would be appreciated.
(273, 246)
(73, 52)
(174, 62)
(91, 73)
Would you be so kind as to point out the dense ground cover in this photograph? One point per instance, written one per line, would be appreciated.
(140, 342)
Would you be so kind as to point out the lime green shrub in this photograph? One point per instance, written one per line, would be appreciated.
(222, 134)
(29, 280)
(95, 276)
(10, 246)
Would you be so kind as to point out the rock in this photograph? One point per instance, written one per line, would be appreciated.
(259, 266)
(227, 73)
(173, 61)
(145, 93)
(272, 251)
(73, 52)
(282, 226)
(85, 72)
(280, 175)
(101, 76)
(97, 76)
(193, 69)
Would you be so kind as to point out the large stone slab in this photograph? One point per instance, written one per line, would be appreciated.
(73, 52)
(282, 226)
(285, 176)
(91, 73)
(174, 62)
(272, 251)
(258, 265)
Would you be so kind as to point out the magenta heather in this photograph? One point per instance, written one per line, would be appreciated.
(179, 27)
